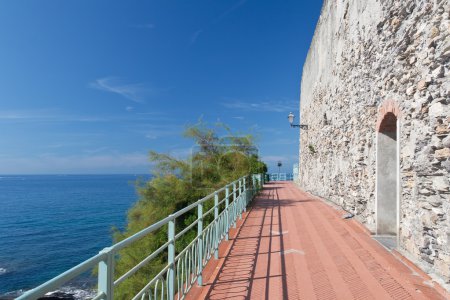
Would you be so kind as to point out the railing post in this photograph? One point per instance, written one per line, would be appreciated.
(200, 243)
(260, 182)
(258, 179)
(241, 200)
(171, 259)
(234, 205)
(216, 221)
(253, 183)
(245, 194)
(227, 213)
(106, 275)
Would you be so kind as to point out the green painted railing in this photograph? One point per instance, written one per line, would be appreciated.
(279, 176)
(183, 269)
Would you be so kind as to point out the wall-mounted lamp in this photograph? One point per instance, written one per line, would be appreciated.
(291, 122)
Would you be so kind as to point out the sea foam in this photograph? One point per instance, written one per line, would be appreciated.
(64, 293)
(73, 292)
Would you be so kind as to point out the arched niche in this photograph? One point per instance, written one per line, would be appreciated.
(387, 170)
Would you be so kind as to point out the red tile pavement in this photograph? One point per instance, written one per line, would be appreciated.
(294, 246)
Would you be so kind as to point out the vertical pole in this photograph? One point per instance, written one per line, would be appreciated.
(106, 275)
(260, 182)
(227, 213)
(245, 194)
(200, 243)
(216, 223)
(241, 200)
(235, 205)
(253, 182)
(254, 186)
(171, 259)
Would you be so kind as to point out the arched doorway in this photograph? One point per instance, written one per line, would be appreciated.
(387, 187)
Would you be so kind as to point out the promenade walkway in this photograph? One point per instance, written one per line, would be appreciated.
(291, 245)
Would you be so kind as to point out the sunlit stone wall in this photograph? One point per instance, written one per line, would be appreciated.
(364, 53)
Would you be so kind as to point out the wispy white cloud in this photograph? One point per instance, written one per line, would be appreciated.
(156, 130)
(268, 106)
(67, 141)
(156, 133)
(26, 114)
(150, 113)
(195, 36)
(152, 135)
(61, 116)
(54, 146)
(230, 10)
(96, 150)
(45, 115)
(131, 91)
(238, 118)
(181, 153)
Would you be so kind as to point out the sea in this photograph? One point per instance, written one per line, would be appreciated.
(50, 223)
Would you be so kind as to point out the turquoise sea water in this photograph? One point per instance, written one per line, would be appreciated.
(50, 223)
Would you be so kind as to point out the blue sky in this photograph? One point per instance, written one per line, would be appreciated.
(92, 86)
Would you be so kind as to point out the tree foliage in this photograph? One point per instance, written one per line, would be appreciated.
(176, 183)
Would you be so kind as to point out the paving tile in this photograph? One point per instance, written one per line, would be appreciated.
(292, 245)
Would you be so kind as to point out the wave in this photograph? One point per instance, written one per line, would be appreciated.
(3, 271)
(71, 293)
(64, 293)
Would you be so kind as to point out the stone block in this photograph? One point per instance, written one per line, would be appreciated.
(410, 90)
(442, 154)
(438, 72)
(422, 85)
(446, 142)
(438, 110)
(442, 129)
(441, 183)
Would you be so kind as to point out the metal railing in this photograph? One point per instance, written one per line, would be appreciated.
(279, 177)
(183, 269)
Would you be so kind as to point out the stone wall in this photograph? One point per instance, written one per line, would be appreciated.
(364, 54)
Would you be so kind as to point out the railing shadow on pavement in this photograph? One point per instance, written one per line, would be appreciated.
(242, 257)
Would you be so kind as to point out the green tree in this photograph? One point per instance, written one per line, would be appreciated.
(176, 183)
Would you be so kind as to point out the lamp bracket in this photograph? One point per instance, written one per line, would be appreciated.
(301, 126)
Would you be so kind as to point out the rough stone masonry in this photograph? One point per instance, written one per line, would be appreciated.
(370, 60)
